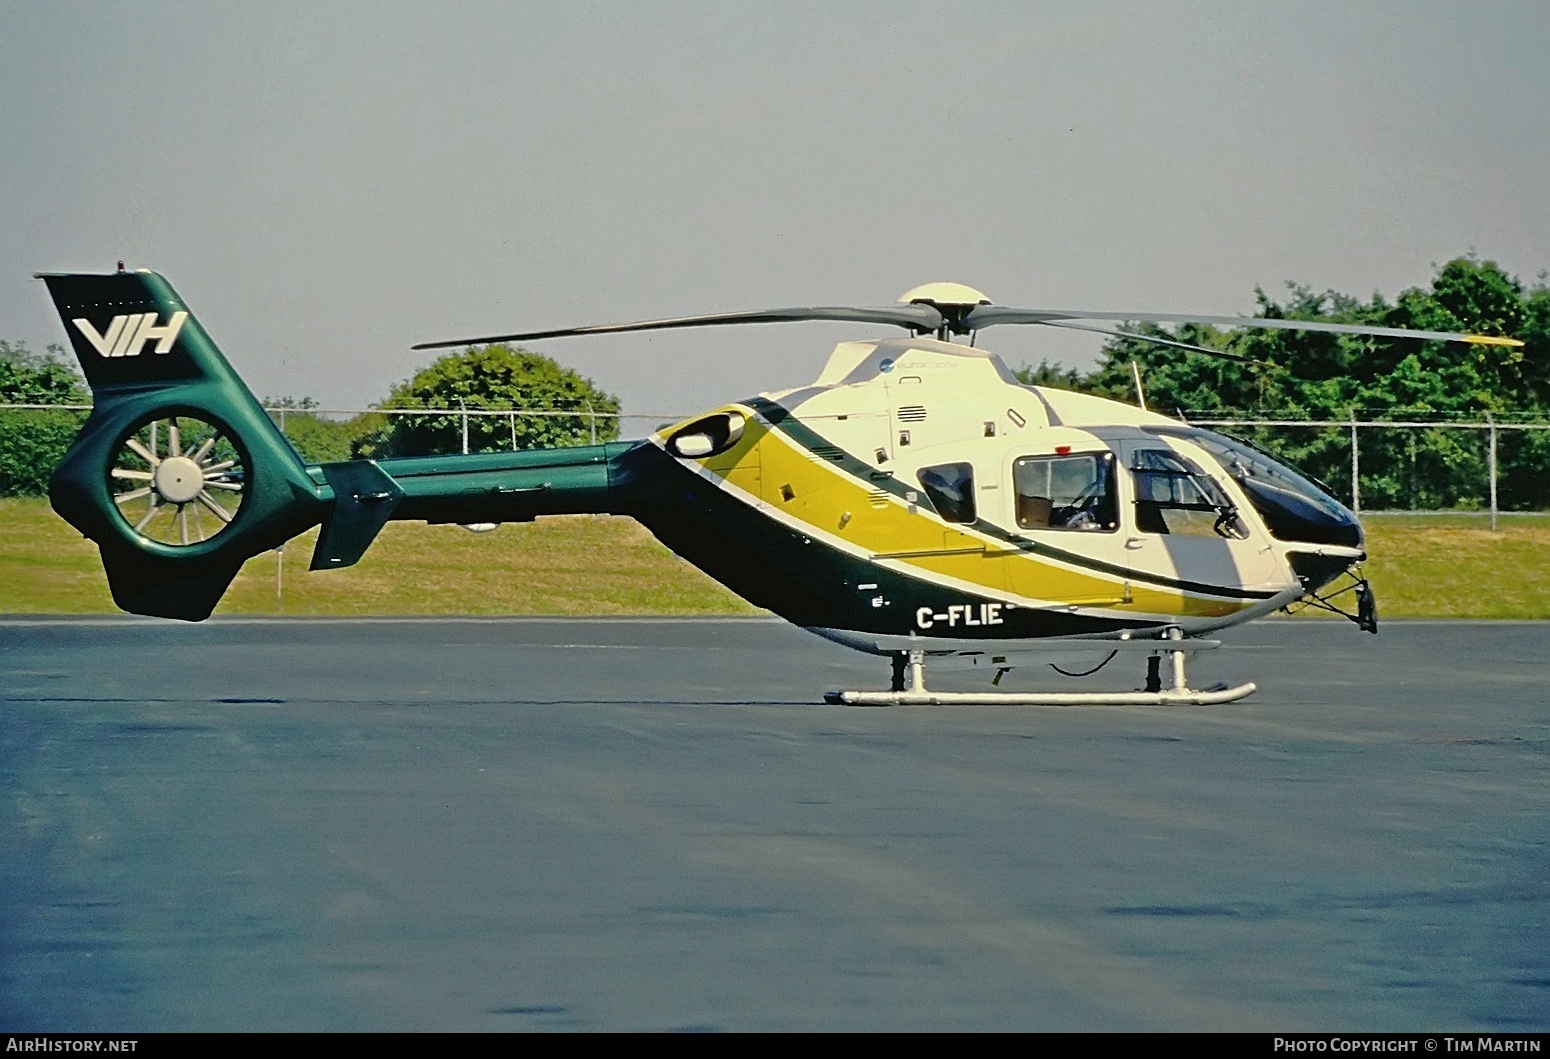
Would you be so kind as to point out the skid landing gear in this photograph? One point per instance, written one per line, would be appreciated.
(909, 684)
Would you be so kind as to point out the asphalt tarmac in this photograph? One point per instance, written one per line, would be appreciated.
(658, 826)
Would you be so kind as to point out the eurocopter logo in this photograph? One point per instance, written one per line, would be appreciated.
(126, 336)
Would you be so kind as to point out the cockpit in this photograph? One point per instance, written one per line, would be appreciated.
(1172, 494)
(1293, 507)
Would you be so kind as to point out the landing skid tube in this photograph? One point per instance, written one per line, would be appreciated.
(909, 687)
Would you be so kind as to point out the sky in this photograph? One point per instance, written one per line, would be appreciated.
(327, 184)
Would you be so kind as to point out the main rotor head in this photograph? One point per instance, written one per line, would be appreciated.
(953, 300)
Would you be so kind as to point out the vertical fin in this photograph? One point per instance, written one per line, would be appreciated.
(147, 358)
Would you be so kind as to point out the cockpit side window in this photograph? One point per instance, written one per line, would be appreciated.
(1173, 495)
(1066, 492)
(950, 486)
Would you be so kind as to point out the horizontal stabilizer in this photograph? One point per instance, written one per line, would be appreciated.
(364, 498)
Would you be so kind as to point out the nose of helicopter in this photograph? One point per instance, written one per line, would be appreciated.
(1300, 513)
(1305, 514)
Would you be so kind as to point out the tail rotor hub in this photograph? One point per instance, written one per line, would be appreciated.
(178, 480)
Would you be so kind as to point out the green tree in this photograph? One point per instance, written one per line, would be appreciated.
(39, 378)
(1051, 375)
(1302, 374)
(33, 441)
(494, 378)
(1535, 365)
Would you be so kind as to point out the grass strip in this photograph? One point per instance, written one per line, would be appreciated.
(1422, 566)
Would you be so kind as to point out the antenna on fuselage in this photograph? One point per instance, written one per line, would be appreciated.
(1135, 370)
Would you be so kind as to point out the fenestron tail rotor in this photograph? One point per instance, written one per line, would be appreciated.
(179, 480)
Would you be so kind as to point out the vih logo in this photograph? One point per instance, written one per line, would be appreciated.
(127, 335)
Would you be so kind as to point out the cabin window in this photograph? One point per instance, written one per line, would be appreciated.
(1066, 492)
(950, 487)
(1173, 495)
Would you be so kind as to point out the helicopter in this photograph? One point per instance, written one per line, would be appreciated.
(915, 500)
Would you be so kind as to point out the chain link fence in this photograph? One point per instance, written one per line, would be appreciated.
(1486, 466)
(325, 434)
(34, 437)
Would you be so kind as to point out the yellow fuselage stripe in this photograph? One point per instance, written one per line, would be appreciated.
(766, 463)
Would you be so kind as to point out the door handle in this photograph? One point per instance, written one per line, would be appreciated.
(1134, 542)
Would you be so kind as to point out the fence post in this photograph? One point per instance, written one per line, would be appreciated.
(1491, 461)
(511, 417)
(1356, 479)
(592, 419)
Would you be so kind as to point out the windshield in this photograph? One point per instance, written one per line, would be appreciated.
(1294, 507)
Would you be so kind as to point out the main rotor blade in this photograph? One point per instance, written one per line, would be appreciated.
(988, 315)
(915, 318)
(1155, 340)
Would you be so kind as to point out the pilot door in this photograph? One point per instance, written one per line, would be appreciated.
(1181, 525)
